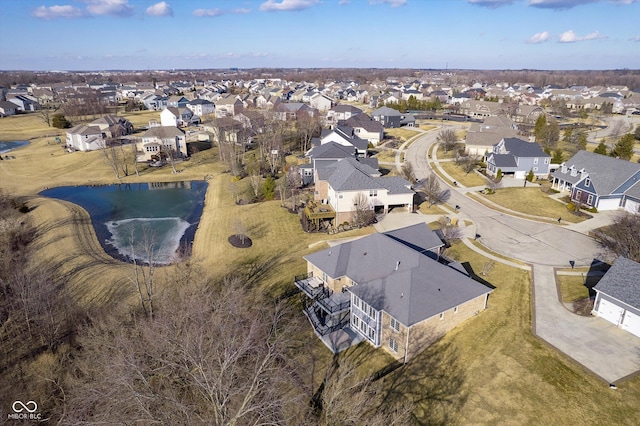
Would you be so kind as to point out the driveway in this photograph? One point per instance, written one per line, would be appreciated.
(599, 346)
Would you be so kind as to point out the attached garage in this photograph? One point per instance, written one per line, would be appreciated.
(632, 206)
(631, 323)
(610, 311)
(608, 203)
(618, 296)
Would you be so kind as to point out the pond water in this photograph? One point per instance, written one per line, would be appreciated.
(6, 146)
(148, 222)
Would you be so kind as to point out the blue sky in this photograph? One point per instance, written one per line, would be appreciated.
(485, 34)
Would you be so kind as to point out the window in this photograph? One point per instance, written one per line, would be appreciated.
(587, 182)
(325, 278)
(535, 169)
(455, 310)
(535, 160)
(590, 199)
(578, 195)
(441, 315)
(546, 161)
(395, 325)
(393, 344)
(373, 193)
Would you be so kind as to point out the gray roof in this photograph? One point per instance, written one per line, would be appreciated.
(521, 148)
(503, 160)
(350, 175)
(346, 108)
(488, 137)
(417, 237)
(411, 291)
(606, 173)
(386, 111)
(365, 122)
(163, 132)
(621, 282)
(331, 150)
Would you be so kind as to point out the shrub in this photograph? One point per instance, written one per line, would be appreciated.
(499, 175)
(530, 176)
(59, 121)
(592, 210)
(572, 207)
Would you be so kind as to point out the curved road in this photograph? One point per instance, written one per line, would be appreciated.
(602, 348)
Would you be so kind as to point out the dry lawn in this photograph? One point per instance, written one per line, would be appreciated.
(534, 202)
(513, 377)
(402, 133)
(425, 208)
(386, 155)
(510, 377)
(572, 288)
(469, 180)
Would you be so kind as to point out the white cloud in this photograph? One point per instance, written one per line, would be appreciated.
(208, 12)
(571, 37)
(392, 3)
(491, 4)
(241, 11)
(539, 37)
(53, 12)
(636, 38)
(343, 2)
(559, 4)
(109, 7)
(623, 2)
(287, 5)
(159, 9)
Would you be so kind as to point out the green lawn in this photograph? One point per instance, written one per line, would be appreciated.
(532, 201)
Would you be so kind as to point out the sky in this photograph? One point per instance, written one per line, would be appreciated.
(85, 35)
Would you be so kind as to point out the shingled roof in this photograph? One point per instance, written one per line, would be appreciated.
(622, 282)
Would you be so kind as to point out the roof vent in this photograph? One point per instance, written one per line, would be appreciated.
(365, 253)
(329, 252)
(397, 265)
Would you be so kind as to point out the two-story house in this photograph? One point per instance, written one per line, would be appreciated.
(343, 182)
(201, 107)
(599, 181)
(162, 142)
(518, 157)
(389, 290)
(178, 117)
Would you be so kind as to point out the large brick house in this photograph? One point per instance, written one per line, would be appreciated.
(390, 290)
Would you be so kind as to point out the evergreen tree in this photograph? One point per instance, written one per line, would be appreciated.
(601, 148)
(623, 149)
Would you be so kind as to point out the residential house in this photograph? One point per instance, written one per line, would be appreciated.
(599, 181)
(178, 117)
(366, 128)
(346, 136)
(201, 107)
(228, 106)
(481, 109)
(527, 114)
(226, 130)
(8, 108)
(86, 137)
(250, 119)
(481, 137)
(517, 157)
(154, 102)
(326, 154)
(618, 295)
(388, 117)
(342, 112)
(177, 101)
(338, 185)
(320, 102)
(160, 143)
(389, 290)
(25, 102)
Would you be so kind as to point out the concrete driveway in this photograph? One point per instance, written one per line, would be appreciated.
(599, 346)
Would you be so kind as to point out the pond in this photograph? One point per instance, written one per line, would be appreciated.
(6, 146)
(148, 222)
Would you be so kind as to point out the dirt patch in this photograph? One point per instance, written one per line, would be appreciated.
(240, 241)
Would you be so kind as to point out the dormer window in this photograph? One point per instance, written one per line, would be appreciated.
(587, 182)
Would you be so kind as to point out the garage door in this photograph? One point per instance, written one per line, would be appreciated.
(632, 206)
(609, 311)
(631, 323)
(608, 204)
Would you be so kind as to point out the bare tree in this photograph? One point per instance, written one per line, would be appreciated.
(430, 186)
(45, 114)
(494, 184)
(450, 232)
(212, 353)
(448, 139)
(621, 237)
(308, 126)
(239, 229)
(407, 172)
(143, 258)
(363, 215)
(469, 163)
(617, 128)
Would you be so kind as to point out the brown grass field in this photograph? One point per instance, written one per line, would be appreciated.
(510, 376)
